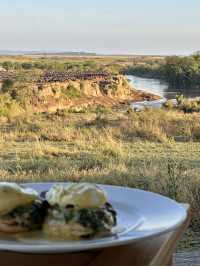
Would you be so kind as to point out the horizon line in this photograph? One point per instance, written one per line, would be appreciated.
(10, 52)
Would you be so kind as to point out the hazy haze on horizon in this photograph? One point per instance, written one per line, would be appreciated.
(110, 27)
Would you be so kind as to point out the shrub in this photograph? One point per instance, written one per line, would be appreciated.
(7, 85)
(7, 65)
(72, 92)
(190, 106)
(27, 66)
(61, 112)
(8, 107)
(78, 110)
(180, 99)
(102, 110)
(169, 104)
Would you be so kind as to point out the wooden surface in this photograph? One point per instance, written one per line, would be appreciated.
(155, 252)
(168, 246)
(187, 258)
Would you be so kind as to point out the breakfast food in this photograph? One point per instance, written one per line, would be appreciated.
(20, 209)
(78, 211)
(72, 212)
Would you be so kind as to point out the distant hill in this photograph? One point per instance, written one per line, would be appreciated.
(68, 53)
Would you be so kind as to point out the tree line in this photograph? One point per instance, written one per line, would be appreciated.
(176, 70)
(88, 65)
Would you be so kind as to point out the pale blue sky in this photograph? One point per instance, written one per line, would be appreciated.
(105, 26)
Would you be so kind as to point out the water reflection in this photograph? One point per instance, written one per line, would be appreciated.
(161, 88)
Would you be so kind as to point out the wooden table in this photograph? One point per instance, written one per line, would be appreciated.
(154, 252)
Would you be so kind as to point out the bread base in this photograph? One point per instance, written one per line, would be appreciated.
(11, 229)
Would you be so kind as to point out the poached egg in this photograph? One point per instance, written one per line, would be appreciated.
(81, 195)
(12, 195)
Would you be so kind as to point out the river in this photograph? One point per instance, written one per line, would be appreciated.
(160, 88)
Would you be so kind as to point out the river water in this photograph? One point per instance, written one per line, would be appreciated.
(161, 88)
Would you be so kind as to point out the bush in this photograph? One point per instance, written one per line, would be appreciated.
(27, 66)
(169, 104)
(72, 92)
(61, 112)
(8, 107)
(78, 110)
(190, 106)
(7, 85)
(180, 99)
(7, 65)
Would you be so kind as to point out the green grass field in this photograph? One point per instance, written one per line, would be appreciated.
(110, 147)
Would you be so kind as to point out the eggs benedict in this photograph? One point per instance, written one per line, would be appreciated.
(21, 209)
(78, 211)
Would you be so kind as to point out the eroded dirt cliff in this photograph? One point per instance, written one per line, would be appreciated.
(109, 91)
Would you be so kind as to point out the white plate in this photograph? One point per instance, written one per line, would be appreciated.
(141, 215)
